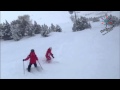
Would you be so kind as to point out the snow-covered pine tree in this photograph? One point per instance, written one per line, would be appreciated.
(89, 25)
(74, 27)
(29, 30)
(49, 30)
(37, 28)
(25, 22)
(15, 29)
(26, 18)
(44, 31)
(52, 28)
(7, 31)
(72, 18)
(23, 27)
(58, 28)
(15, 32)
(81, 24)
(96, 19)
(41, 30)
(1, 31)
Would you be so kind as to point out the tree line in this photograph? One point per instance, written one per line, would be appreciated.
(23, 26)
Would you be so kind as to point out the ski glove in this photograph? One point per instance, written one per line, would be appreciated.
(23, 59)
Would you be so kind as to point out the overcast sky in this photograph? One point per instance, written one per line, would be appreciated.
(41, 17)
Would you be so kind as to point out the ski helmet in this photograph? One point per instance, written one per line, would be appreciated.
(32, 50)
(51, 48)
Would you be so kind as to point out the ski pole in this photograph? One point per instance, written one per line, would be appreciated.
(23, 67)
(40, 64)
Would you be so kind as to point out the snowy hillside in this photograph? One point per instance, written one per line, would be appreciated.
(97, 13)
(85, 54)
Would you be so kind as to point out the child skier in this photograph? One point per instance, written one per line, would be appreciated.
(48, 54)
(33, 58)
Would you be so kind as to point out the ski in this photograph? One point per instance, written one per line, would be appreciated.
(32, 71)
(28, 71)
(39, 69)
(108, 30)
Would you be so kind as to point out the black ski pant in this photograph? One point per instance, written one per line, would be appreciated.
(29, 66)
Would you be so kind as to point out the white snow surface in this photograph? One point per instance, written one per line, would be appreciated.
(85, 54)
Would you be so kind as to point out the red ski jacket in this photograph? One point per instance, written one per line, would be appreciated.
(48, 53)
(33, 58)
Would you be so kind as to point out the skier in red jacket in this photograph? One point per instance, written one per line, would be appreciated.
(48, 54)
(33, 58)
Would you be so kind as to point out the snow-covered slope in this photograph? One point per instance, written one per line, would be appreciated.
(78, 55)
